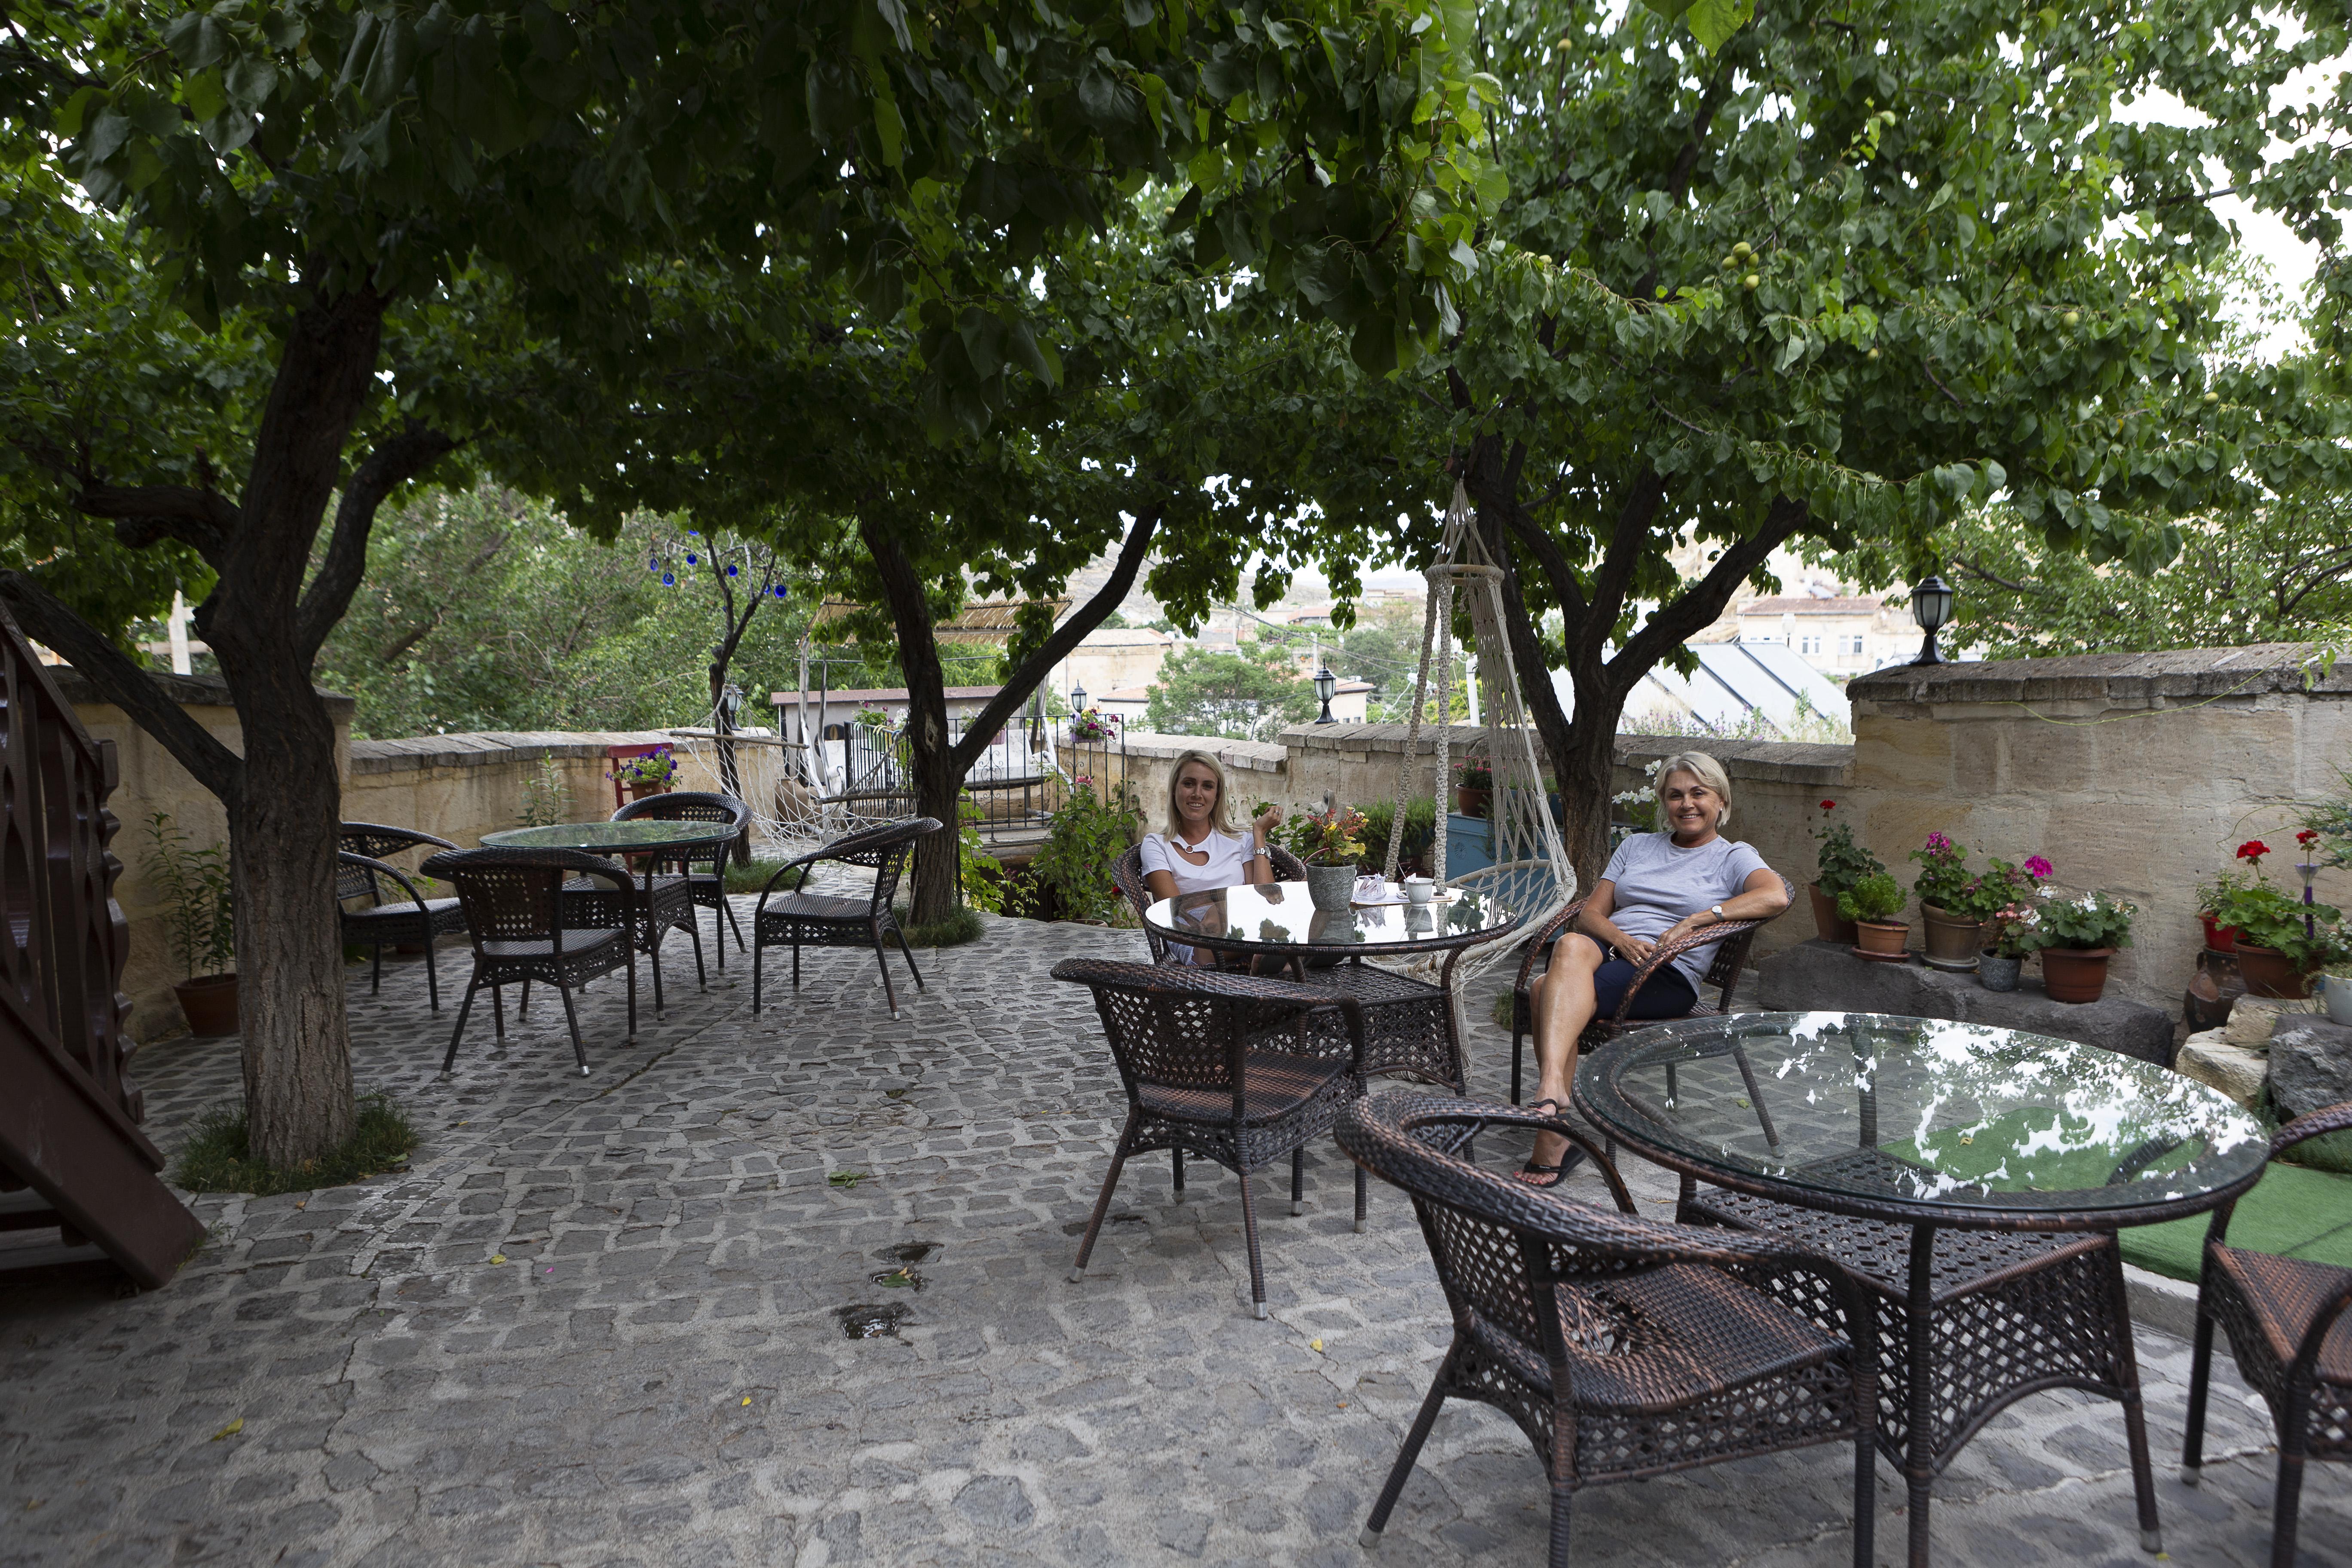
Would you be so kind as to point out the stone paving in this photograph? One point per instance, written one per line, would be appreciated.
(601, 1321)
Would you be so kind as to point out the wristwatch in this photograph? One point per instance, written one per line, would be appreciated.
(1717, 911)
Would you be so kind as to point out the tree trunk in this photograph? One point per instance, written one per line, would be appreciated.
(938, 778)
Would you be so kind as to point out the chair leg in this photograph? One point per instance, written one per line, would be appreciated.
(1359, 1199)
(523, 1009)
(2284, 1506)
(694, 932)
(2151, 1528)
(1176, 1157)
(1563, 1504)
(1102, 1202)
(1519, 1042)
(797, 965)
(1755, 1096)
(653, 949)
(727, 909)
(1399, 1472)
(432, 976)
(579, 1053)
(450, 1060)
(633, 996)
(499, 1010)
(1865, 1487)
(1249, 1234)
(882, 957)
(755, 978)
(375, 974)
(1298, 1182)
(2200, 1373)
(908, 954)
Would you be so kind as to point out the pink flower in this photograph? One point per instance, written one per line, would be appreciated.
(2037, 868)
(1939, 841)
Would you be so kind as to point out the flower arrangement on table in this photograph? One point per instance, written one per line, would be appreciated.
(657, 769)
(1094, 724)
(1842, 862)
(1330, 838)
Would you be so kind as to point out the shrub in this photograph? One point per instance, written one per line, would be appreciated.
(214, 1159)
(962, 925)
(1085, 836)
(202, 921)
(1420, 831)
(1877, 897)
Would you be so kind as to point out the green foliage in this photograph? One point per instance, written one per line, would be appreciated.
(2267, 916)
(753, 878)
(1843, 862)
(1239, 695)
(1420, 831)
(214, 1158)
(2329, 821)
(1943, 879)
(1875, 896)
(2002, 886)
(962, 925)
(1073, 867)
(2089, 921)
(1332, 837)
(201, 923)
(546, 796)
(982, 874)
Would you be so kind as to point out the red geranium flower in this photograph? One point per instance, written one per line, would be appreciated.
(2307, 836)
(2253, 849)
(1829, 805)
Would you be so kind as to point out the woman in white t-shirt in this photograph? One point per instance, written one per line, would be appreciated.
(1658, 885)
(1197, 849)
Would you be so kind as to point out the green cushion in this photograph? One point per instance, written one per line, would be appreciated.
(2291, 1210)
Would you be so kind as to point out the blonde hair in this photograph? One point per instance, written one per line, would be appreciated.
(1220, 815)
(1705, 769)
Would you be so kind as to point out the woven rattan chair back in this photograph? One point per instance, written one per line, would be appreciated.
(516, 895)
(885, 849)
(1126, 872)
(1163, 1033)
(375, 842)
(690, 806)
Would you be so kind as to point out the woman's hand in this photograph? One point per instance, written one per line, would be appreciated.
(1687, 924)
(1263, 825)
(1634, 950)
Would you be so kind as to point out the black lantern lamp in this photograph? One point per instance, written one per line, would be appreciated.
(1931, 607)
(731, 703)
(1077, 698)
(1326, 685)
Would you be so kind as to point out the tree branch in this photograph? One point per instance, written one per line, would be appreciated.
(1692, 610)
(393, 463)
(201, 519)
(1019, 683)
(49, 621)
(1616, 574)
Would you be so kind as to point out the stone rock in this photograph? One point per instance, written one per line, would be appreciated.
(1824, 976)
(2311, 1068)
(2254, 1018)
(2237, 1071)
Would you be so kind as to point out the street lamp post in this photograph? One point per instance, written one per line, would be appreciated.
(1931, 607)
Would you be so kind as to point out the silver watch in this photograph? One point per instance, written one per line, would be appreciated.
(1717, 911)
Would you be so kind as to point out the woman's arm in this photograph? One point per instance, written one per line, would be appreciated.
(1259, 866)
(1761, 897)
(1162, 884)
(1594, 922)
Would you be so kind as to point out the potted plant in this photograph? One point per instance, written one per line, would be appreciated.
(1330, 841)
(2213, 895)
(1947, 896)
(2284, 943)
(1094, 724)
(2076, 937)
(651, 773)
(1474, 786)
(1871, 903)
(1842, 863)
(2010, 937)
(201, 925)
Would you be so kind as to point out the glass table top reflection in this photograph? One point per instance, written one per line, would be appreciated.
(1268, 916)
(1913, 1116)
(609, 838)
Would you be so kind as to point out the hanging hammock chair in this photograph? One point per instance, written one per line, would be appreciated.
(1530, 875)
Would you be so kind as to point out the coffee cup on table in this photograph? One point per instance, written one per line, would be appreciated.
(1419, 889)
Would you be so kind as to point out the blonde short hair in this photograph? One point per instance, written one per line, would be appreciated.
(1703, 768)
(1220, 816)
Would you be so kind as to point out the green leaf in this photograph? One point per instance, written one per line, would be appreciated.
(1712, 22)
(892, 129)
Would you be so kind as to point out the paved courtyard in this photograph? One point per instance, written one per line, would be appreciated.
(615, 1320)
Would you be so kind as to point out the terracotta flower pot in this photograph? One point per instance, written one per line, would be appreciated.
(1471, 801)
(1953, 942)
(210, 1003)
(2218, 938)
(1827, 922)
(2267, 972)
(639, 790)
(2075, 973)
(1880, 936)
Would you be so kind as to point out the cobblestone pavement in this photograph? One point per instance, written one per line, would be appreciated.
(600, 1322)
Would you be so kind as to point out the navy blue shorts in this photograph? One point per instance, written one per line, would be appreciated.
(1667, 993)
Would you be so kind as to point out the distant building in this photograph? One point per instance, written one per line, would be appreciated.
(1130, 703)
(1838, 636)
(1108, 659)
(836, 708)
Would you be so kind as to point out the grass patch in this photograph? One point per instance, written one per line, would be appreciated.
(754, 878)
(962, 925)
(1501, 1011)
(213, 1160)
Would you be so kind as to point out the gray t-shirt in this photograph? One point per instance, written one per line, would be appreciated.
(1658, 882)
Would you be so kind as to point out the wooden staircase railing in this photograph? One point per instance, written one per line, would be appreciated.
(71, 1154)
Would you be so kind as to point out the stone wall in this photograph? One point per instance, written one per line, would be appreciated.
(460, 787)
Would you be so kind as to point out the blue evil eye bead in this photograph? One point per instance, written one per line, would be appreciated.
(669, 580)
(780, 590)
(653, 562)
(692, 559)
(731, 571)
(694, 534)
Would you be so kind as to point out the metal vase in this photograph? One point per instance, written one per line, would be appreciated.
(1997, 973)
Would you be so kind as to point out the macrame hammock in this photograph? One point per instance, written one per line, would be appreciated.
(1530, 876)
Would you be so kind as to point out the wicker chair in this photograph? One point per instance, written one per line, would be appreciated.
(1734, 939)
(799, 919)
(1621, 1347)
(1408, 1027)
(361, 870)
(1198, 1081)
(2290, 1326)
(517, 909)
(705, 867)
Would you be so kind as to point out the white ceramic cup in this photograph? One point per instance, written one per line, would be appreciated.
(1419, 889)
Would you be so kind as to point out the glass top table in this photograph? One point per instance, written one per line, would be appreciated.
(1278, 917)
(612, 837)
(1923, 1119)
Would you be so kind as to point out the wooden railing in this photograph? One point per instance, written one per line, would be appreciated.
(72, 1158)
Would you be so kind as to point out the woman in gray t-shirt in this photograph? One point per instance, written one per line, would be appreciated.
(1658, 885)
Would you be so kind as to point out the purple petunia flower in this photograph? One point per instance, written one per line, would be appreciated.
(2036, 867)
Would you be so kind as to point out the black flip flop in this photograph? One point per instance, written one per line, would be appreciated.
(1557, 1173)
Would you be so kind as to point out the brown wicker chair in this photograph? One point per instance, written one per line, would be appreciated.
(518, 910)
(2290, 1326)
(1621, 1347)
(1408, 1027)
(705, 867)
(1197, 1080)
(363, 868)
(815, 919)
(1734, 937)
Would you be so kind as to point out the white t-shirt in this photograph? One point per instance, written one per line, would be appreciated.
(1228, 866)
(1659, 882)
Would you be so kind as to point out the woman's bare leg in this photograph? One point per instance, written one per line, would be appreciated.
(1563, 1006)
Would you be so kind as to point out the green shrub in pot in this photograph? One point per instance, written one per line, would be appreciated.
(1877, 897)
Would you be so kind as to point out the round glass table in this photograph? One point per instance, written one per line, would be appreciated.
(1923, 1154)
(1279, 918)
(639, 836)
(654, 908)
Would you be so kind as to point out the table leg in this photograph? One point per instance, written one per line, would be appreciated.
(2152, 1532)
(1918, 1454)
